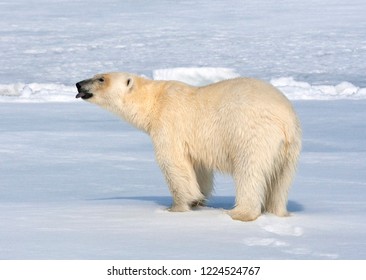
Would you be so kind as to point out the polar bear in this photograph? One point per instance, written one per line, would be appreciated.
(243, 126)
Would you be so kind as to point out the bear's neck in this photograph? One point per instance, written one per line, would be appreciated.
(145, 105)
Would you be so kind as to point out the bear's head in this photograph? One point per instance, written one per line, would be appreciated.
(105, 90)
(110, 91)
(121, 93)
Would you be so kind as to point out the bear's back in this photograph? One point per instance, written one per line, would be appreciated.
(243, 93)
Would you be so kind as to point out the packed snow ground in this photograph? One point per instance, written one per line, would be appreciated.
(77, 183)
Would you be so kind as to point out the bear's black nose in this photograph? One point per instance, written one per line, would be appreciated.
(78, 86)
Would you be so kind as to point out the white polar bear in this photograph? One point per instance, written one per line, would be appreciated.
(243, 127)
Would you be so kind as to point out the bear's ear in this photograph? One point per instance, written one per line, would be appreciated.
(129, 83)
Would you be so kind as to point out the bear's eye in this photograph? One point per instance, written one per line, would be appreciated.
(101, 80)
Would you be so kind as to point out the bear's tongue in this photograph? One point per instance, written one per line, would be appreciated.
(84, 95)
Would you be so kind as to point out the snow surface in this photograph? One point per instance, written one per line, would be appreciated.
(77, 183)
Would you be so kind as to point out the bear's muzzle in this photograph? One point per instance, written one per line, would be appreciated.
(83, 93)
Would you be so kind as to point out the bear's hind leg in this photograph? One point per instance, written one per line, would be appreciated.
(247, 208)
(250, 184)
(285, 167)
(248, 201)
(276, 199)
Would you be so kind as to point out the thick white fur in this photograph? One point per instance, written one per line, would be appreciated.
(243, 127)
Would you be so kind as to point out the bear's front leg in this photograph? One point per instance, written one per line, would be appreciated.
(182, 182)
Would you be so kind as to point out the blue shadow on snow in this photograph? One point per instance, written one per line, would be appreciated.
(224, 202)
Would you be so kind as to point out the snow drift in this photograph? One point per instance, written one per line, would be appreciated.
(294, 90)
(195, 76)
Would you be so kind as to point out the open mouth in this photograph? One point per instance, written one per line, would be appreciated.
(84, 95)
(83, 92)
